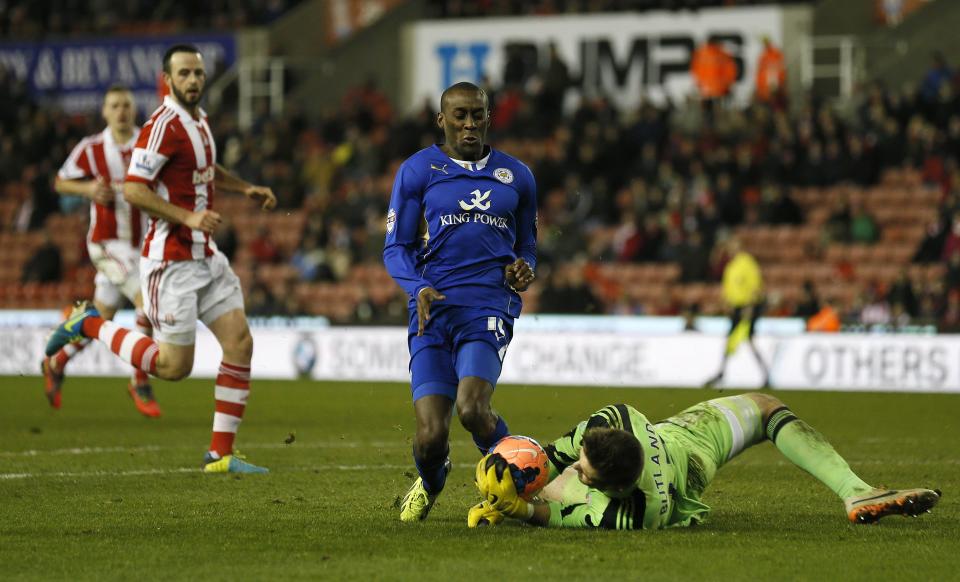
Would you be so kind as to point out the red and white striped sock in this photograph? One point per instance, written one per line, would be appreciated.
(58, 361)
(233, 388)
(140, 377)
(133, 347)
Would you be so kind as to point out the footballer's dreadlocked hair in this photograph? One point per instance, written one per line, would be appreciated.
(615, 454)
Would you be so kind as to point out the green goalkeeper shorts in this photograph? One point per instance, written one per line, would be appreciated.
(705, 436)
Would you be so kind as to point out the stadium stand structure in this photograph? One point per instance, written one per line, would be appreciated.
(632, 204)
(25, 19)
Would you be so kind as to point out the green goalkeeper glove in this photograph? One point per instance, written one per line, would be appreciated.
(483, 514)
(501, 491)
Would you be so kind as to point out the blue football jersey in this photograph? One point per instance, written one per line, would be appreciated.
(454, 226)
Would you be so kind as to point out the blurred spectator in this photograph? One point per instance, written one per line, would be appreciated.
(627, 239)
(567, 292)
(29, 19)
(729, 201)
(263, 249)
(809, 304)
(950, 322)
(672, 249)
(892, 12)
(826, 320)
(290, 304)
(226, 238)
(44, 265)
(952, 277)
(861, 165)
(901, 295)
(714, 71)
(899, 317)
(260, 301)
(43, 201)
(951, 243)
(694, 259)
(771, 78)
(837, 227)
(938, 75)
(367, 106)
(517, 67)
(875, 310)
(310, 260)
(863, 227)
(931, 306)
(555, 82)
(779, 207)
(690, 315)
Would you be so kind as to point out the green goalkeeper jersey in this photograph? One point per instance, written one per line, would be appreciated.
(657, 501)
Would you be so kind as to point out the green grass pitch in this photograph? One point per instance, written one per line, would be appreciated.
(94, 491)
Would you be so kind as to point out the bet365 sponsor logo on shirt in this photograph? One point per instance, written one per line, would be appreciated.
(204, 176)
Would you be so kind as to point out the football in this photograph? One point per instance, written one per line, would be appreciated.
(528, 463)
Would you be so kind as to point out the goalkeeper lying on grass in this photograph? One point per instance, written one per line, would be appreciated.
(618, 470)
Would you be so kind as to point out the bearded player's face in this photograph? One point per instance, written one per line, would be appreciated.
(186, 78)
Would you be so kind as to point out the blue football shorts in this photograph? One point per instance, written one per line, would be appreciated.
(457, 342)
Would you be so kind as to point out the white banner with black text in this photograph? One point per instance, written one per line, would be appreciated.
(906, 363)
(628, 56)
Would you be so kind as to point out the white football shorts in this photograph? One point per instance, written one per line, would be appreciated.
(117, 264)
(176, 294)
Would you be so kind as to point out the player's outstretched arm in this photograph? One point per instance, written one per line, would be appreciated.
(498, 489)
(229, 182)
(97, 190)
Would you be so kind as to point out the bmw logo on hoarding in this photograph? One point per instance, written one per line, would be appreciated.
(304, 355)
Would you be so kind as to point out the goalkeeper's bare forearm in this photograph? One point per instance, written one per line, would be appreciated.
(541, 514)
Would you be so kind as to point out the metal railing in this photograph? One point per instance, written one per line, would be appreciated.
(256, 77)
(845, 58)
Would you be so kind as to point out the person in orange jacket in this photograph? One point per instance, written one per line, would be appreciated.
(771, 76)
(713, 70)
(825, 321)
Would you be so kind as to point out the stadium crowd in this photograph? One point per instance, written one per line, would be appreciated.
(662, 185)
(31, 20)
(473, 8)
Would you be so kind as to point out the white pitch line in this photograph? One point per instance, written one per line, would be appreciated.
(395, 467)
(383, 467)
(155, 448)
(181, 470)
(11, 476)
(78, 451)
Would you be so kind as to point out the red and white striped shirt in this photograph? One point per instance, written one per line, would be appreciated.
(97, 156)
(176, 156)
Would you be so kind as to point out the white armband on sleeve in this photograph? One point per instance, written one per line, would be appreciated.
(145, 164)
